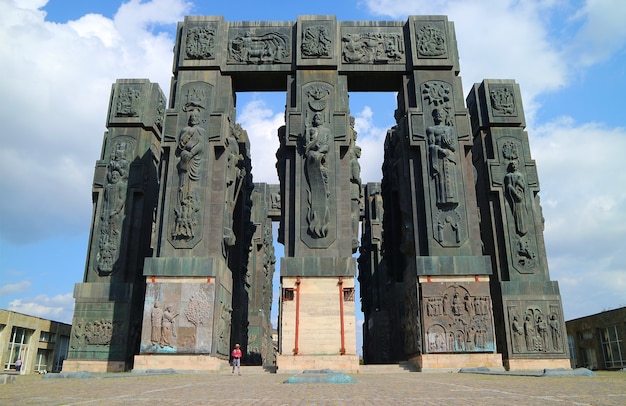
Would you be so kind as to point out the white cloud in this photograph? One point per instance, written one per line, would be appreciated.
(603, 31)
(583, 195)
(56, 81)
(57, 308)
(261, 124)
(13, 288)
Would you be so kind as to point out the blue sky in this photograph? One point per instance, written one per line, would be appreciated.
(60, 57)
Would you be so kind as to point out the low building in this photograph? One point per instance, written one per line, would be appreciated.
(598, 341)
(40, 344)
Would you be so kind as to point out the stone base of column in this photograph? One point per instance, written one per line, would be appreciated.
(90, 365)
(179, 362)
(536, 364)
(454, 362)
(291, 364)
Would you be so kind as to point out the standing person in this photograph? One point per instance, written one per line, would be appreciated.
(236, 354)
(18, 365)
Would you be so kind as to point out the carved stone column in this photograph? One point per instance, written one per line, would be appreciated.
(109, 302)
(530, 326)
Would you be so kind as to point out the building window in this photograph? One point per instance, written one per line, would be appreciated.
(61, 353)
(45, 337)
(288, 294)
(41, 363)
(572, 348)
(612, 348)
(348, 294)
(18, 348)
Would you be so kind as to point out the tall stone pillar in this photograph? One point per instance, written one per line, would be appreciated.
(191, 279)
(109, 301)
(429, 189)
(530, 326)
(317, 320)
(260, 272)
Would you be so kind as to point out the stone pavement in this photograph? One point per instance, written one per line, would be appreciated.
(262, 388)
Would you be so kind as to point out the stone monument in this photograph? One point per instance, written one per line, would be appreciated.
(451, 259)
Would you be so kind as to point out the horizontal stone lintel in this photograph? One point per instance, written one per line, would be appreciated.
(181, 266)
(96, 292)
(318, 266)
(453, 265)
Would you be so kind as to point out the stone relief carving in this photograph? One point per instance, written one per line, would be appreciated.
(113, 206)
(396, 146)
(502, 100)
(431, 42)
(515, 189)
(317, 142)
(523, 243)
(356, 191)
(96, 332)
(372, 47)
(160, 113)
(316, 42)
(533, 331)
(200, 43)
(128, 102)
(442, 148)
(457, 320)
(250, 48)
(197, 308)
(450, 231)
(234, 180)
(190, 153)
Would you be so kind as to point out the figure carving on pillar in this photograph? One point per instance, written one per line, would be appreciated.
(443, 156)
(189, 151)
(555, 332)
(156, 320)
(114, 203)
(167, 324)
(234, 176)
(356, 192)
(317, 145)
(515, 189)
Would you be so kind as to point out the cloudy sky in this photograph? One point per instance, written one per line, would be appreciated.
(60, 57)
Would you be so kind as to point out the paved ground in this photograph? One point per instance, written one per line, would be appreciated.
(255, 388)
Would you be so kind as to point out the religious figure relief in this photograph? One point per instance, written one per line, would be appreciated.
(128, 102)
(200, 43)
(537, 333)
(515, 190)
(316, 42)
(356, 191)
(456, 320)
(502, 101)
(442, 148)
(431, 42)
(234, 180)
(317, 145)
(167, 327)
(156, 319)
(371, 47)
(113, 207)
(271, 47)
(555, 332)
(189, 151)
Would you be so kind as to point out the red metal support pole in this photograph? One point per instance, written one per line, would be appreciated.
(295, 349)
(342, 351)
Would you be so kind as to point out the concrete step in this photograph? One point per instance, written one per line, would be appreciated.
(387, 368)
